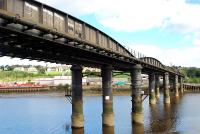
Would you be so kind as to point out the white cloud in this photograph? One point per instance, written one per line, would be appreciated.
(135, 15)
(188, 57)
(196, 42)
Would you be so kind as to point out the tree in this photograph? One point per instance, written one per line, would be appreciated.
(41, 69)
(8, 68)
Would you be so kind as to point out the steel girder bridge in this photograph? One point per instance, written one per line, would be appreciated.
(35, 31)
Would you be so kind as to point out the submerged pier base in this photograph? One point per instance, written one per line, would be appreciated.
(136, 86)
(77, 97)
(166, 88)
(152, 98)
(108, 115)
(181, 85)
(157, 87)
(176, 85)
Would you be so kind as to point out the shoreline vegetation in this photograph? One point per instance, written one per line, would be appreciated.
(13, 76)
(191, 74)
(8, 74)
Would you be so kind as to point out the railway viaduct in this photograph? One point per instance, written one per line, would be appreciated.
(35, 31)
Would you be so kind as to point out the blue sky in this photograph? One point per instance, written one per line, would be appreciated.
(168, 30)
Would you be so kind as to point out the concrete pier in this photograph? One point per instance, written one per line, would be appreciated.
(175, 84)
(108, 115)
(181, 84)
(77, 97)
(136, 86)
(152, 98)
(166, 88)
(157, 88)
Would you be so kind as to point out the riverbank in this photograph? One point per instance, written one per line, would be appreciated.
(56, 94)
(60, 92)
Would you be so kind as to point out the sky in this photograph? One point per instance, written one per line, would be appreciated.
(168, 30)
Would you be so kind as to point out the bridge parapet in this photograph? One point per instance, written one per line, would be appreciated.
(173, 69)
(152, 61)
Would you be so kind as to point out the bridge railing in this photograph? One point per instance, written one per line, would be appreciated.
(135, 53)
(148, 60)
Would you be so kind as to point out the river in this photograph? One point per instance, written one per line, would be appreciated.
(40, 114)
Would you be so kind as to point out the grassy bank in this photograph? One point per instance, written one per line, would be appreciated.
(192, 74)
(12, 76)
(192, 80)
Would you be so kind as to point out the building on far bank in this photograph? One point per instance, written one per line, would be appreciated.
(60, 68)
(89, 69)
(55, 81)
(62, 80)
(32, 70)
(19, 69)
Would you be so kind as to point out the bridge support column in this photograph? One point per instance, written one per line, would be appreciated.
(136, 86)
(166, 88)
(77, 97)
(176, 85)
(157, 87)
(181, 84)
(108, 115)
(152, 98)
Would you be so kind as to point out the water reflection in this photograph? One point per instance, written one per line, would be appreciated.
(108, 130)
(137, 129)
(77, 131)
(164, 117)
(48, 115)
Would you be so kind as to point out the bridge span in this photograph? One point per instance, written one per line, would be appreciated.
(36, 31)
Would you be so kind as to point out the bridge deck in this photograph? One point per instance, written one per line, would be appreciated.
(32, 30)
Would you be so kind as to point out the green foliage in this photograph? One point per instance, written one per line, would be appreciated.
(193, 80)
(50, 74)
(41, 69)
(7, 73)
(8, 76)
(7, 68)
(121, 75)
(192, 74)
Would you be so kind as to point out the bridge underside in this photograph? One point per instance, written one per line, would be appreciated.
(28, 45)
(25, 34)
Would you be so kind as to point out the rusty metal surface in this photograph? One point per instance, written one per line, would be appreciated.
(68, 36)
(39, 13)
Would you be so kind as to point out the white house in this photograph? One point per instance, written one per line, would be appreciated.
(32, 70)
(19, 69)
(44, 81)
(63, 80)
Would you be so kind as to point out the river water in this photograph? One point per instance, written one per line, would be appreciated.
(52, 115)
